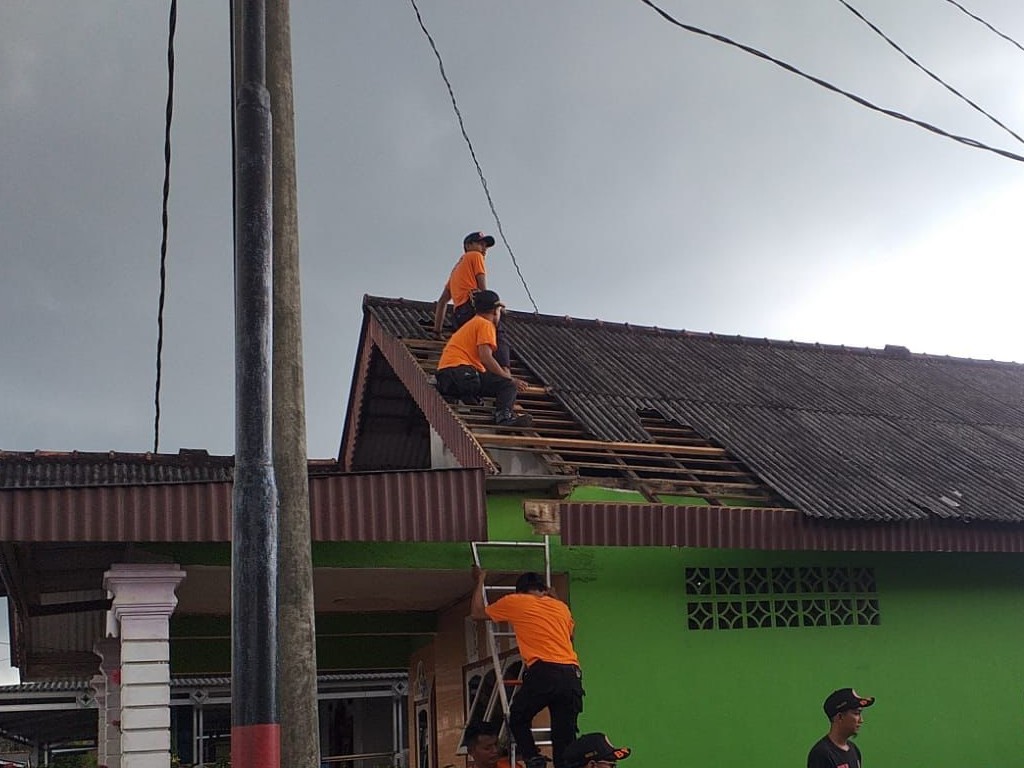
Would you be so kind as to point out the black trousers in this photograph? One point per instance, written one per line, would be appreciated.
(466, 381)
(559, 687)
(462, 314)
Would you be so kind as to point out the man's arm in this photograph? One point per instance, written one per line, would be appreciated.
(487, 358)
(476, 605)
(481, 281)
(439, 308)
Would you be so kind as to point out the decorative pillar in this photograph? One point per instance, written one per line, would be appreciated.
(98, 683)
(108, 741)
(143, 601)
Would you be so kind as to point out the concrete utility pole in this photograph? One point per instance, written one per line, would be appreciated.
(296, 687)
(255, 733)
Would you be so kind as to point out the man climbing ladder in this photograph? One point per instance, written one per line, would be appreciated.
(543, 627)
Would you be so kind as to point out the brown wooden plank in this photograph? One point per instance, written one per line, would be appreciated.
(697, 450)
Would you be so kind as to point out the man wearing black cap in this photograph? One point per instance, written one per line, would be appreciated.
(835, 749)
(467, 367)
(593, 749)
(468, 277)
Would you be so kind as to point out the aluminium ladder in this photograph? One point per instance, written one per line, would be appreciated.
(496, 632)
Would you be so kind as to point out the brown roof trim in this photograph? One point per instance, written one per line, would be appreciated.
(661, 525)
(356, 395)
(457, 438)
(436, 505)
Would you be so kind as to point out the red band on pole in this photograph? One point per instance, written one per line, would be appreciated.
(256, 746)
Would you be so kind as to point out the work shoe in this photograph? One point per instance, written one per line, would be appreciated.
(472, 400)
(511, 419)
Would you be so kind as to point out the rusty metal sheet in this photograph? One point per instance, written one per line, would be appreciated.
(659, 525)
(440, 505)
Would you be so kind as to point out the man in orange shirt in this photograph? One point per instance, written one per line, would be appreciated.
(467, 278)
(467, 367)
(543, 627)
(481, 742)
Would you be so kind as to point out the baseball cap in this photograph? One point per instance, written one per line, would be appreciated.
(485, 301)
(478, 237)
(844, 699)
(592, 746)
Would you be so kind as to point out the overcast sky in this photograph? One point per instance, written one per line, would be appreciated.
(642, 175)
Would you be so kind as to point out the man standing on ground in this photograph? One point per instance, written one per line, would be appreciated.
(835, 749)
(467, 278)
(467, 367)
(543, 628)
(482, 745)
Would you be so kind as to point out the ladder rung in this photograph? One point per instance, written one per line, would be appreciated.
(504, 634)
(498, 588)
(509, 543)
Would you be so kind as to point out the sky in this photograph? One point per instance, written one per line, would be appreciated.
(642, 174)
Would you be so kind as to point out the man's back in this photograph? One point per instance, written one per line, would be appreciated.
(543, 626)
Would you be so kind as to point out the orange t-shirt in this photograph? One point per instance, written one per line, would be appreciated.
(461, 348)
(543, 626)
(462, 282)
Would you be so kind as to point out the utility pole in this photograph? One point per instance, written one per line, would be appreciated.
(297, 686)
(255, 732)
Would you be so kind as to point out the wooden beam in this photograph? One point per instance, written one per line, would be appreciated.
(688, 450)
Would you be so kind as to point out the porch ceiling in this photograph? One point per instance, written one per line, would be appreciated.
(207, 590)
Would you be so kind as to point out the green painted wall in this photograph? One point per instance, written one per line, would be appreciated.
(945, 663)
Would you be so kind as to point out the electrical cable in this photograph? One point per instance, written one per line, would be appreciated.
(172, 24)
(927, 71)
(472, 152)
(966, 141)
(982, 21)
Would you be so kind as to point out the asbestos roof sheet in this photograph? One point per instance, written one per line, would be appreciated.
(840, 433)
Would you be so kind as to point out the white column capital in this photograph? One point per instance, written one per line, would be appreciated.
(143, 588)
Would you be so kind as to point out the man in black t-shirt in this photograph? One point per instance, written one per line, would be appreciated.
(835, 750)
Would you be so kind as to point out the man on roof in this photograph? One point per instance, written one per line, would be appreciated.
(468, 368)
(543, 626)
(468, 277)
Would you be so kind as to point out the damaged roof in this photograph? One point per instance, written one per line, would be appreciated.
(834, 432)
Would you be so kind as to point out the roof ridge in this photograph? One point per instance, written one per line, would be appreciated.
(889, 351)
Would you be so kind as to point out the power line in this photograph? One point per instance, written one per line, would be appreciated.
(835, 89)
(171, 24)
(472, 152)
(982, 21)
(927, 71)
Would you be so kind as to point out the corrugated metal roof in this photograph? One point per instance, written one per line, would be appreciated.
(658, 525)
(72, 469)
(842, 434)
(82, 686)
(436, 505)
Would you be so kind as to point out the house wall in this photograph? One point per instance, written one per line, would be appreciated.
(943, 660)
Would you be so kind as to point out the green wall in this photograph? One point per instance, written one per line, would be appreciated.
(945, 663)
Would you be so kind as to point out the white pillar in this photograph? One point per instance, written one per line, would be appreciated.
(143, 601)
(109, 737)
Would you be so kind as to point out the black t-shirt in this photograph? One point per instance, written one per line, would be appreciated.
(825, 754)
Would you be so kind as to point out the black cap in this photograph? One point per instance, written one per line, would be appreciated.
(485, 301)
(844, 699)
(592, 746)
(477, 237)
